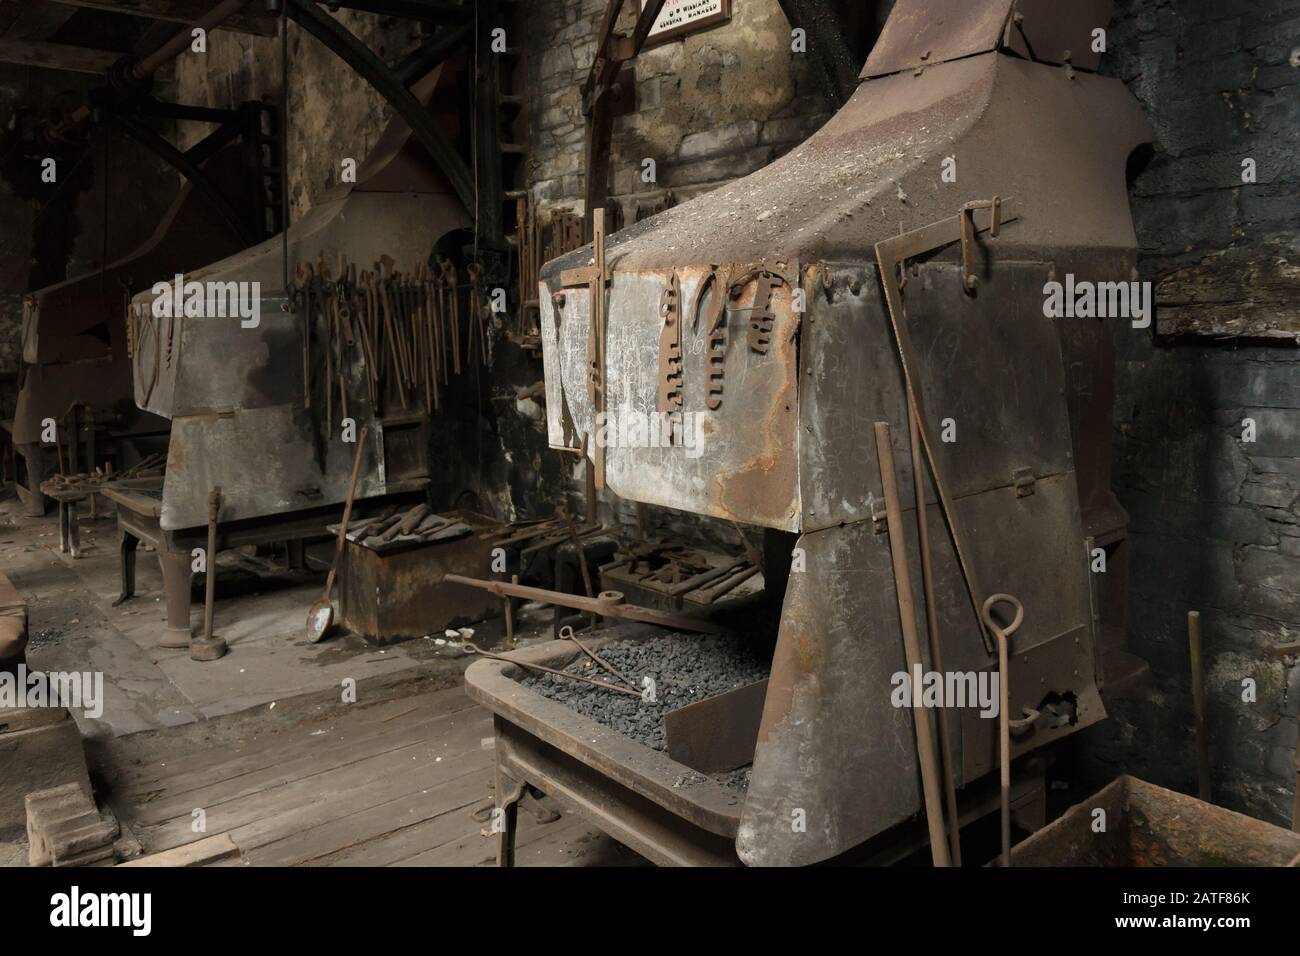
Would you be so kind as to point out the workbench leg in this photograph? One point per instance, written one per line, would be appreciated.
(74, 532)
(126, 551)
(506, 819)
(176, 592)
(64, 545)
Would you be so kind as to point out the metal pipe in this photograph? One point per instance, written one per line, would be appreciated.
(606, 604)
(182, 39)
(932, 632)
(210, 564)
(1198, 700)
(912, 646)
(1001, 635)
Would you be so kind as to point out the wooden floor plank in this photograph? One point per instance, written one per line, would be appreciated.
(414, 759)
(393, 784)
(199, 769)
(348, 820)
(441, 737)
(475, 849)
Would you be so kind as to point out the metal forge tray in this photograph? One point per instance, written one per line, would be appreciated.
(662, 809)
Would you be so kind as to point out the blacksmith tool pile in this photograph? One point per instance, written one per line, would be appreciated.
(407, 330)
(538, 242)
(393, 527)
(150, 467)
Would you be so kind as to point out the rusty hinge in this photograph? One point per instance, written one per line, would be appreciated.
(1023, 479)
(969, 279)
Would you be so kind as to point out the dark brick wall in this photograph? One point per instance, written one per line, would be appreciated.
(1215, 519)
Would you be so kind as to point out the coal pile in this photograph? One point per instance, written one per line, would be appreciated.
(684, 667)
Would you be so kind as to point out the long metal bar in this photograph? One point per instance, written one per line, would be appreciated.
(183, 111)
(1003, 635)
(436, 49)
(213, 143)
(595, 103)
(1198, 700)
(911, 646)
(891, 254)
(343, 44)
(932, 632)
(608, 604)
(181, 40)
(178, 160)
(210, 564)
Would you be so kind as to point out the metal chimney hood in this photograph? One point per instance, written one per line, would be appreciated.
(789, 310)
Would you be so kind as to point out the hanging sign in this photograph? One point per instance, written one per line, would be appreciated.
(679, 17)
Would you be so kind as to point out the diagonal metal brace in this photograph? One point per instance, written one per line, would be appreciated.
(345, 45)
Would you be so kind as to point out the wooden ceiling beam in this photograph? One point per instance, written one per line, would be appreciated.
(251, 20)
(65, 57)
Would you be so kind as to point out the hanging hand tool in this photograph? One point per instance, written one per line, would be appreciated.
(321, 614)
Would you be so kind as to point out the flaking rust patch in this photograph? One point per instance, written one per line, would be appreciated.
(764, 487)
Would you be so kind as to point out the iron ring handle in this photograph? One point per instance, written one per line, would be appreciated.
(986, 613)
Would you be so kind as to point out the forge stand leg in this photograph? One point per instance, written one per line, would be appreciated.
(295, 554)
(68, 514)
(32, 497)
(126, 551)
(64, 542)
(505, 820)
(176, 592)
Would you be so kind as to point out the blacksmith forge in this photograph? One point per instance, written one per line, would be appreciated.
(247, 404)
(76, 355)
(845, 284)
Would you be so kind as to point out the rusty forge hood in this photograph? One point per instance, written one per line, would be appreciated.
(74, 332)
(1052, 140)
(234, 391)
(759, 311)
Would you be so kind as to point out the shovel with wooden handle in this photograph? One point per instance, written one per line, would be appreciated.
(321, 616)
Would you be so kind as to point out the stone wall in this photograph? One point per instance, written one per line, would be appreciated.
(709, 107)
(333, 113)
(1215, 519)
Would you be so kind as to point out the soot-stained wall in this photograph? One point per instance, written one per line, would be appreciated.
(1207, 429)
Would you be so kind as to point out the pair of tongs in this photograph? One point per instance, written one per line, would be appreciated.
(566, 634)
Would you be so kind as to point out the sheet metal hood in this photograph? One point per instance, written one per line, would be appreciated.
(1054, 141)
(788, 444)
(74, 332)
(235, 395)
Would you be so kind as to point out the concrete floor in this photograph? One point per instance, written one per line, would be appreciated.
(260, 611)
(272, 689)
